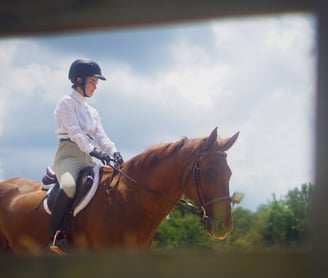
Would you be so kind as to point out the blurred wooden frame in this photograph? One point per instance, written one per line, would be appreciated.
(21, 17)
(37, 16)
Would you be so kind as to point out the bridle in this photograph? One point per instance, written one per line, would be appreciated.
(199, 207)
(202, 203)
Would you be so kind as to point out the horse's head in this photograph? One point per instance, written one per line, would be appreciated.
(207, 184)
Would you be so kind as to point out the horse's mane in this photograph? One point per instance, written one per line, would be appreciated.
(161, 151)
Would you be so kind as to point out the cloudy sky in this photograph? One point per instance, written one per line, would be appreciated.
(253, 75)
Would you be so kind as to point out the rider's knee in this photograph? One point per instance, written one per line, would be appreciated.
(68, 184)
(69, 190)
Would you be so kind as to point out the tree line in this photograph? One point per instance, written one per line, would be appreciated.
(279, 223)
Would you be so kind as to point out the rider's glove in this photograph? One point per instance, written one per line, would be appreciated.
(118, 158)
(105, 159)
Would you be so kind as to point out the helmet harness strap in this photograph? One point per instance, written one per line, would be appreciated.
(82, 84)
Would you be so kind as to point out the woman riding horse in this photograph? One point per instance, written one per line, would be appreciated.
(126, 210)
(78, 130)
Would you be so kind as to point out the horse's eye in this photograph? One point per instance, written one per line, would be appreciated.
(210, 173)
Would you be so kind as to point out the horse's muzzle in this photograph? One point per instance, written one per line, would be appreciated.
(218, 229)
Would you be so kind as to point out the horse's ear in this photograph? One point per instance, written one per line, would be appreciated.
(211, 142)
(226, 144)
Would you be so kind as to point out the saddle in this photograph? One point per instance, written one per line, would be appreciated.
(86, 186)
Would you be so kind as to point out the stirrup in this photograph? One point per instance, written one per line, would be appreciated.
(54, 248)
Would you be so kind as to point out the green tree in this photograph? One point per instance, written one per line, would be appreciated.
(298, 202)
(242, 225)
(181, 230)
(280, 222)
(249, 228)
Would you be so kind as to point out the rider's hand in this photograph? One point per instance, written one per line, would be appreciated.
(105, 159)
(118, 158)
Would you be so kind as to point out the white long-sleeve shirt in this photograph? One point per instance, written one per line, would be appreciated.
(76, 120)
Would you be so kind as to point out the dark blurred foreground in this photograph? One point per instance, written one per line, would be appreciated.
(282, 263)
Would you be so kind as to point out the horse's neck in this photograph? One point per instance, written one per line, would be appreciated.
(144, 196)
(164, 180)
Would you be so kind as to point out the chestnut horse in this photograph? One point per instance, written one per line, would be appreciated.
(149, 186)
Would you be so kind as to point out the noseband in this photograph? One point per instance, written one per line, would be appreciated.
(202, 203)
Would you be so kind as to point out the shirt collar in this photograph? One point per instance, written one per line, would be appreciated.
(75, 95)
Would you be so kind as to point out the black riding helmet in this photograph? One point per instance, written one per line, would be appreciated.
(83, 68)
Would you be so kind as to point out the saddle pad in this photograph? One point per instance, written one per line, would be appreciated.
(48, 201)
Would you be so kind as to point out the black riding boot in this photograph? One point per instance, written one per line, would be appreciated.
(61, 206)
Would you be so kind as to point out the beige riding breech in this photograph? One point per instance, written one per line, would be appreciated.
(69, 161)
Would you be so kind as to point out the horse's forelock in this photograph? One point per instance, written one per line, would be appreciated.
(201, 145)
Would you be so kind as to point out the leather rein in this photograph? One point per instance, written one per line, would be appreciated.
(198, 208)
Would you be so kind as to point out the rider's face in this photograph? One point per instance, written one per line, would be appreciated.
(91, 85)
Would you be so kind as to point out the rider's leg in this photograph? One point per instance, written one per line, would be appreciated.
(61, 207)
(68, 163)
